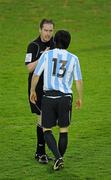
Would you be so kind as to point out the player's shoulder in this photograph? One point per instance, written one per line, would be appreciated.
(72, 54)
(48, 52)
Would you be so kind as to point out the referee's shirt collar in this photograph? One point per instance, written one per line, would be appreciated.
(48, 43)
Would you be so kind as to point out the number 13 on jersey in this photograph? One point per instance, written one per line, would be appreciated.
(62, 68)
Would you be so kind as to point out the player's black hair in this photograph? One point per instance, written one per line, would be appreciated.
(62, 39)
(46, 21)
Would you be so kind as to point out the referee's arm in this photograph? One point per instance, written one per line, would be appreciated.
(32, 57)
(31, 66)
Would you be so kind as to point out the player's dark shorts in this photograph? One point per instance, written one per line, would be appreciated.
(56, 110)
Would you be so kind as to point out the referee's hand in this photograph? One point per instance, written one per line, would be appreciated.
(33, 97)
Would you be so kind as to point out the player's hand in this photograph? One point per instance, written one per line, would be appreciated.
(33, 97)
(78, 104)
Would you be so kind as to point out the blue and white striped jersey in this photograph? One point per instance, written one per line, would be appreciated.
(60, 68)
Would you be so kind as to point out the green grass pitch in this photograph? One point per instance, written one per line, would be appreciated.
(88, 156)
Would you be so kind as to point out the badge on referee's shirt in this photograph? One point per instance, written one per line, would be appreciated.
(28, 57)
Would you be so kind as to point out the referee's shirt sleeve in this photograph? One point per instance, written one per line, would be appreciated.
(32, 53)
(41, 65)
(77, 70)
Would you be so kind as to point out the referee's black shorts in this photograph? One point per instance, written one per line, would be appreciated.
(56, 110)
(36, 108)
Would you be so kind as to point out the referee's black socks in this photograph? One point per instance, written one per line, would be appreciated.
(40, 141)
(63, 141)
(51, 142)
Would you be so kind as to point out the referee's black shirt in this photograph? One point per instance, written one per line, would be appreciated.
(36, 48)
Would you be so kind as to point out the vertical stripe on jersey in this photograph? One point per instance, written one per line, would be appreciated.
(62, 82)
(40, 66)
(54, 80)
(59, 57)
(45, 72)
(48, 73)
(69, 68)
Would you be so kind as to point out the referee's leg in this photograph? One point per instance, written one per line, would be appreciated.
(40, 138)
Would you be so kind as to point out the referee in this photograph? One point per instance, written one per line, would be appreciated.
(60, 68)
(34, 51)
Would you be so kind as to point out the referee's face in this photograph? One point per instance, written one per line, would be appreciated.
(46, 32)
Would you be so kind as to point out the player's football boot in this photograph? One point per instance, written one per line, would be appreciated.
(59, 163)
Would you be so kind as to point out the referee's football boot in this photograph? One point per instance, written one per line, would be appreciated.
(41, 158)
(59, 164)
(44, 156)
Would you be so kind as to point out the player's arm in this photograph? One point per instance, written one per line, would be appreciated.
(79, 84)
(34, 82)
(79, 88)
(35, 78)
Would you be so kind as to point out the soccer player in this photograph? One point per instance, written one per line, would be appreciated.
(60, 68)
(34, 51)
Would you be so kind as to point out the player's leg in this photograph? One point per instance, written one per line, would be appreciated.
(48, 121)
(65, 107)
(63, 140)
(51, 142)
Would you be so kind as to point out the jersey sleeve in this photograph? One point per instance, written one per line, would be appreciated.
(77, 70)
(41, 65)
(32, 53)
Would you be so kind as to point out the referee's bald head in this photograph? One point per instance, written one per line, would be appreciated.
(62, 39)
